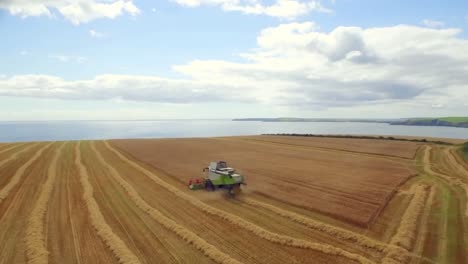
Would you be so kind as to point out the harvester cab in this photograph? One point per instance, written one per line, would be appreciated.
(218, 175)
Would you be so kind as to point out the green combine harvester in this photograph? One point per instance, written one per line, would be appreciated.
(218, 175)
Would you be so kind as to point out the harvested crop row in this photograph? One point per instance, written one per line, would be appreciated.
(19, 173)
(10, 148)
(408, 225)
(322, 227)
(407, 230)
(207, 249)
(36, 250)
(335, 231)
(257, 230)
(118, 247)
(15, 155)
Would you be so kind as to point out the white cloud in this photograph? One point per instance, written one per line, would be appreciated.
(96, 34)
(68, 58)
(288, 9)
(76, 11)
(153, 10)
(433, 23)
(24, 53)
(121, 87)
(298, 67)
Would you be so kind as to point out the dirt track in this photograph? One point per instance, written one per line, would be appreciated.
(91, 202)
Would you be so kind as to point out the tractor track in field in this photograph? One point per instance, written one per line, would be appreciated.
(460, 167)
(119, 221)
(351, 152)
(75, 239)
(257, 230)
(115, 243)
(16, 154)
(36, 238)
(5, 191)
(452, 181)
(424, 225)
(460, 160)
(185, 234)
(428, 168)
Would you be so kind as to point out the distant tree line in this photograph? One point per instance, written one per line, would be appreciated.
(366, 137)
(465, 148)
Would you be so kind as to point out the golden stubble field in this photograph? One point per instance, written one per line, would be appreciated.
(308, 200)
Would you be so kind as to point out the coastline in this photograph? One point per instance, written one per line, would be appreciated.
(396, 122)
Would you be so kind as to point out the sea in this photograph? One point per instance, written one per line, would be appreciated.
(83, 130)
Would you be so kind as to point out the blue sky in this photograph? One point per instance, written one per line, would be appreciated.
(91, 59)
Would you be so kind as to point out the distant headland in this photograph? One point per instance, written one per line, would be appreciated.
(443, 121)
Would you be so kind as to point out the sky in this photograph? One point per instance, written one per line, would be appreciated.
(177, 59)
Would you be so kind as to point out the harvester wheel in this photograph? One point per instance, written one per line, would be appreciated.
(209, 186)
(235, 189)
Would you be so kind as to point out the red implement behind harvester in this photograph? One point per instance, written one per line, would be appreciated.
(195, 184)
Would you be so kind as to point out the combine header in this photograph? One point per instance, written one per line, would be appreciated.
(218, 175)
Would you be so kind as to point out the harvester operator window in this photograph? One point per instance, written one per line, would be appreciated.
(222, 165)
